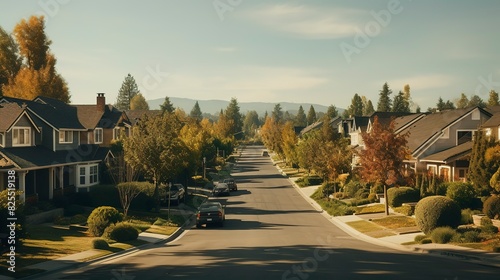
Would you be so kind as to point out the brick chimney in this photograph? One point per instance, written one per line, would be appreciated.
(101, 102)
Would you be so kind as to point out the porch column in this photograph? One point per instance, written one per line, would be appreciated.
(22, 185)
(51, 182)
(61, 178)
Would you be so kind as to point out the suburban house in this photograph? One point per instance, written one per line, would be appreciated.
(441, 143)
(47, 143)
(491, 127)
(334, 122)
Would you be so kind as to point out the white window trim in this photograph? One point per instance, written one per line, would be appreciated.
(65, 141)
(446, 133)
(28, 138)
(435, 168)
(2, 139)
(472, 131)
(95, 135)
(87, 175)
(445, 167)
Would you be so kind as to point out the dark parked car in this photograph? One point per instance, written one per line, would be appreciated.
(231, 184)
(210, 212)
(221, 189)
(176, 194)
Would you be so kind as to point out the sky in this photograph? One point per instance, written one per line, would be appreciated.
(311, 51)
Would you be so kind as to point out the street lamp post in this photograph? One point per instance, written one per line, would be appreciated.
(204, 168)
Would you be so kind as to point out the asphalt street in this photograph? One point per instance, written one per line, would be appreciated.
(271, 232)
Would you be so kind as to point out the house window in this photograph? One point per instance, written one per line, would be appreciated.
(487, 132)
(2, 139)
(463, 136)
(65, 136)
(462, 173)
(93, 174)
(21, 136)
(82, 175)
(444, 172)
(98, 135)
(89, 175)
(432, 169)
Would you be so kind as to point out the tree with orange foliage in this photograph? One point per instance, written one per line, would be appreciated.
(383, 156)
(37, 75)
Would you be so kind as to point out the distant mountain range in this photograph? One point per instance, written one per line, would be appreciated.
(214, 106)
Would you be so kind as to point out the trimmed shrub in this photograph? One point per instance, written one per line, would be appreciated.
(161, 222)
(437, 211)
(399, 195)
(123, 232)
(406, 210)
(101, 218)
(491, 207)
(420, 237)
(466, 217)
(100, 243)
(442, 235)
(485, 221)
(462, 193)
(426, 241)
(489, 229)
(471, 237)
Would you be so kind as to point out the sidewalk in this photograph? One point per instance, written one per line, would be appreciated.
(396, 241)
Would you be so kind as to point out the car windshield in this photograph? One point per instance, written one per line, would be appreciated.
(210, 206)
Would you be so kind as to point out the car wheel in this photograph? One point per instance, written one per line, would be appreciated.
(198, 225)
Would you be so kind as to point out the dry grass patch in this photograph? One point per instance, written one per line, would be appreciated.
(364, 226)
(395, 222)
(378, 208)
(166, 230)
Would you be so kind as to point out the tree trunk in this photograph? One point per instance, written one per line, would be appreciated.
(386, 201)
(156, 197)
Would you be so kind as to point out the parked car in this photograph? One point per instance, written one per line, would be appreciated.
(221, 189)
(231, 184)
(210, 212)
(176, 193)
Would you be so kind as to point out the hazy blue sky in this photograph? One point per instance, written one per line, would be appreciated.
(274, 51)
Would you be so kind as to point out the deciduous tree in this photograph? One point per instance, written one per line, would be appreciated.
(10, 61)
(138, 102)
(493, 98)
(251, 123)
(462, 102)
(383, 156)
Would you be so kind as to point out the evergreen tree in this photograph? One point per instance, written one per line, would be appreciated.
(311, 116)
(462, 102)
(493, 99)
(368, 108)
(331, 112)
(356, 107)
(301, 117)
(401, 104)
(277, 114)
(251, 123)
(480, 171)
(384, 101)
(138, 102)
(233, 114)
(440, 105)
(476, 101)
(127, 91)
(10, 62)
(167, 106)
(196, 112)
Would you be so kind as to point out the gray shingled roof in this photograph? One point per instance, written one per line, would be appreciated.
(57, 113)
(9, 112)
(450, 154)
(39, 156)
(494, 121)
(91, 118)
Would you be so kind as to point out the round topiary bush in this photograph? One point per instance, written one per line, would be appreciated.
(100, 243)
(101, 218)
(463, 193)
(437, 211)
(122, 232)
(399, 195)
(491, 207)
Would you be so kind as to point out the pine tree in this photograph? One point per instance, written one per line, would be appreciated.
(277, 114)
(167, 106)
(127, 91)
(384, 101)
(368, 108)
(311, 115)
(462, 102)
(356, 107)
(331, 112)
(400, 104)
(476, 101)
(233, 114)
(493, 99)
(301, 117)
(196, 112)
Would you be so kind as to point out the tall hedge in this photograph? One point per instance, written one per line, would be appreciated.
(437, 211)
(398, 195)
